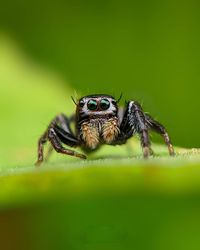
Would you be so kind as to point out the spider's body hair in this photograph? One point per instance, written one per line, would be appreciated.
(110, 130)
(98, 131)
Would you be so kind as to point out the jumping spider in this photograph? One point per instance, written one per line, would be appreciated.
(99, 120)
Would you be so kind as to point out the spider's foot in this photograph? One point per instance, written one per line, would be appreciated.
(171, 150)
(38, 163)
(80, 156)
(146, 152)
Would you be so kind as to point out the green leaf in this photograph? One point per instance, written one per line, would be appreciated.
(113, 200)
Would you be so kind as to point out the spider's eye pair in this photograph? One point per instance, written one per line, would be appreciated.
(104, 104)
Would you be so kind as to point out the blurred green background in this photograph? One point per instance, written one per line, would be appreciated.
(149, 51)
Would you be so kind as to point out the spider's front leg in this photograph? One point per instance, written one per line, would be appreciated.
(58, 132)
(136, 121)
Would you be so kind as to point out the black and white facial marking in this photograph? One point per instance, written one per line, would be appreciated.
(97, 106)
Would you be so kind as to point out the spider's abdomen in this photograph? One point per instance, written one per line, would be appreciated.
(99, 131)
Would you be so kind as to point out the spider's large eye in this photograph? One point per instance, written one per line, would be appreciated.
(104, 104)
(92, 104)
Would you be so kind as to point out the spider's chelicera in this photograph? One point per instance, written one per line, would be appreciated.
(99, 120)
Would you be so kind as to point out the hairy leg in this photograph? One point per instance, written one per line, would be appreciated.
(55, 142)
(57, 132)
(134, 122)
(43, 139)
(160, 129)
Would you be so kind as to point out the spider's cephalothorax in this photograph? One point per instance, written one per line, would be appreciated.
(98, 120)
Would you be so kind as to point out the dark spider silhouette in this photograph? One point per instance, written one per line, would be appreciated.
(99, 120)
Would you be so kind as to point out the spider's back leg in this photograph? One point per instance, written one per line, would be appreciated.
(160, 129)
(58, 132)
(136, 121)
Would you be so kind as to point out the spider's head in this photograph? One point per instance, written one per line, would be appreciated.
(97, 106)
